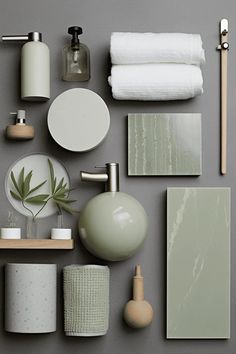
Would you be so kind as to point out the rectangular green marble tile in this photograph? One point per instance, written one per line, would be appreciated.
(198, 263)
(164, 144)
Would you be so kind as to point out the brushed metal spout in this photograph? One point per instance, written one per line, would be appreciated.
(111, 177)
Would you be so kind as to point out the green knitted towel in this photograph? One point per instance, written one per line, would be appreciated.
(86, 300)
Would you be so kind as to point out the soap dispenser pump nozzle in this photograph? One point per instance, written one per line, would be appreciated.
(110, 177)
(31, 36)
(20, 116)
(75, 31)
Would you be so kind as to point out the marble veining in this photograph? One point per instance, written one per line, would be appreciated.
(164, 144)
(198, 263)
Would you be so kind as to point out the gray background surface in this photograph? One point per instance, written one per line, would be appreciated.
(99, 19)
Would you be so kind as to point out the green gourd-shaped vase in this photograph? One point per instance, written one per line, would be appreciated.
(112, 225)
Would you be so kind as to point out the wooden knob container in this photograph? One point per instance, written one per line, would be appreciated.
(138, 313)
(20, 132)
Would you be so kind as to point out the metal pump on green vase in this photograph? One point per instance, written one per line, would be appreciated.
(112, 225)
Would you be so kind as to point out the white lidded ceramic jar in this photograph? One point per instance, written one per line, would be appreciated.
(30, 297)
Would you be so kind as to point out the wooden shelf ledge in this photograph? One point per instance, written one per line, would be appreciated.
(40, 244)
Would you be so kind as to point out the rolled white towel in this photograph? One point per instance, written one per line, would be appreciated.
(155, 82)
(141, 48)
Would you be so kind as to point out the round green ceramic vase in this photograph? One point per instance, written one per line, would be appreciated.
(113, 226)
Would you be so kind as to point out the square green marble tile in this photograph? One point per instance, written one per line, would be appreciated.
(198, 263)
(164, 144)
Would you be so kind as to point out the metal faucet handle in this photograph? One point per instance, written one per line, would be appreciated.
(110, 177)
(93, 177)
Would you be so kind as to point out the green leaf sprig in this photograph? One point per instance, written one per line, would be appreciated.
(23, 190)
(59, 192)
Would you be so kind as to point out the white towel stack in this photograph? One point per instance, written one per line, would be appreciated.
(156, 66)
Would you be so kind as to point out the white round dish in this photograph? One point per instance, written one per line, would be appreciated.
(78, 120)
(38, 163)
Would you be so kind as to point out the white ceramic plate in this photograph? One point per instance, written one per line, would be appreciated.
(78, 120)
(38, 163)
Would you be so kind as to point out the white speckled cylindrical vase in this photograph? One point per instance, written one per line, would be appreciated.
(30, 297)
(86, 300)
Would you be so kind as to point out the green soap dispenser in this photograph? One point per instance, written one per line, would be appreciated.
(112, 225)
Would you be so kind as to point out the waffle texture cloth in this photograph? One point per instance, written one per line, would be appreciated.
(86, 300)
